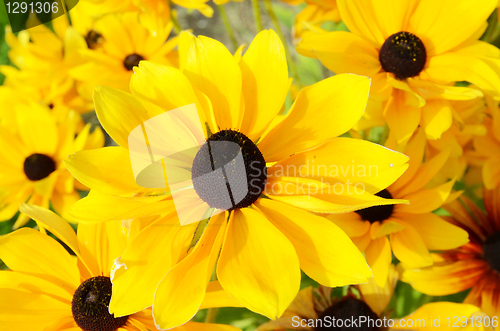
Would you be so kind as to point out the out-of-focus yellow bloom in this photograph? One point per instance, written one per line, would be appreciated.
(33, 144)
(125, 42)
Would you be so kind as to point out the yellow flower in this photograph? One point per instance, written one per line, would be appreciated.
(312, 309)
(408, 231)
(33, 144)
(315, 14)
(154, 14)
(414, 52)
(265, 241)
(475, 265)
(47, 288)
(125, 43)
(43, 59)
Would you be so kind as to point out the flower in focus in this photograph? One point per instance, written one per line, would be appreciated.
(475, 265)
(49, 289)
(269, 235)
(415, 53)
(126, 43)
(33, 144)
(409, 231)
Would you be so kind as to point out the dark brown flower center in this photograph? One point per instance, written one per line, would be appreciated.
(403, 54)
(132, 61)
(38, 166)
(377, 213)
(229, 172)
(491, 251)
(345, 312)
(90, 306)
(93, 39)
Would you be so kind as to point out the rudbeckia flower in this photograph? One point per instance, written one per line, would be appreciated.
(42, 58)
(415, 52)
(315, 14)
(32, 152)
(475, 265)
(154, 14)
(313, 309)
(269, 235)
(409, 231)
(50, 289)
(125, 43)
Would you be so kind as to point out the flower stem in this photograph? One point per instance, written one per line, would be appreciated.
(211, 315)
(228, 26)
(277, 27)
(256, 15)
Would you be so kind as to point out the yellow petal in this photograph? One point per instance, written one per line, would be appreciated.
(336, 102)
(348, 161)
(20, 311)
(350, 223)
(265, 82)
(217, 297)
(106, 169)
(436, 233)
(378, 297)
(211, 68)
(258, 265)
(360, 19)
(410, 249)
(180, 293)
(437, 118)
(39, 130)
(379, 256)
(144, 263)
(403, 120)
(120, 112)
(491, 172)
(442, 25)
(99, 207)
(21, 251)
(449, 68)
(425, 201)
(325, 252)
(341, 52)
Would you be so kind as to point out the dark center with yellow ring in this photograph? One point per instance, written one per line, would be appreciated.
(132, 61)
(377, 213)
(93, 39)
(403, 54)
(38, 166)
(491, 251)
(345, 311)
(229, 172)
(90, 306)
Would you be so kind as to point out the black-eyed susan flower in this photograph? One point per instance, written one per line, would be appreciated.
(409, 231)
(34, 141)
(268, 236)
(125, 42)
(42, 58)
(475, 265)
(317, 309)
(415, 52)
(47, 288)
